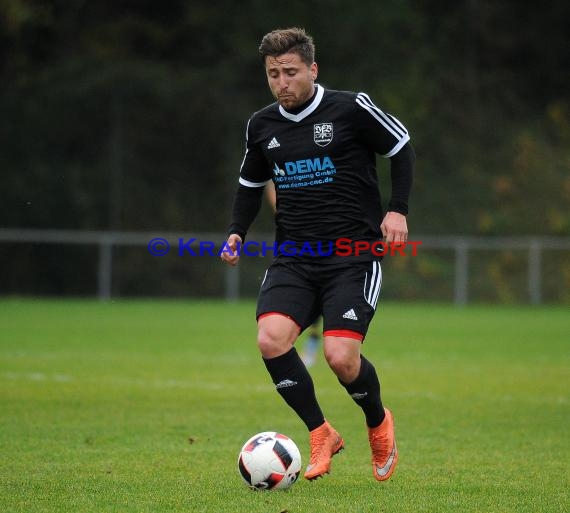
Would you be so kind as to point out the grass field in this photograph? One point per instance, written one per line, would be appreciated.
(140, 406)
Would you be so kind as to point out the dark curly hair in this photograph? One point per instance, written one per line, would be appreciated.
(290, 40)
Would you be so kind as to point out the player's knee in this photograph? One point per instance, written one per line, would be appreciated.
(276, 335)
(272, 342)
(265, 342)
(343, 365)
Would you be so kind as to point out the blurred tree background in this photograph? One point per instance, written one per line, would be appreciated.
(131, 114)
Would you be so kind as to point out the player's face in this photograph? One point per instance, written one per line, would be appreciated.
(291, 81)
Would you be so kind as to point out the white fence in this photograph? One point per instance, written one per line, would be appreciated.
(462, 248)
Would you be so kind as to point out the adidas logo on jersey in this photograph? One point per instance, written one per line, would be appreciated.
(350, 315)
(274, 143)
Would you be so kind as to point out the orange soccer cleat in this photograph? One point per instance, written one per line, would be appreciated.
(325, 443)
(383, 445)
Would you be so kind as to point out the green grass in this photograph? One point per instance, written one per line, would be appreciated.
(141, 406)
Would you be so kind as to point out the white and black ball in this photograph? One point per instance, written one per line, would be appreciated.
(269, 461)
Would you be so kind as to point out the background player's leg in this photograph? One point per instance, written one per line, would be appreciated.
(311, 347)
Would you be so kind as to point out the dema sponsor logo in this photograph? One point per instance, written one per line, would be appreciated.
(313, 165)
(304, 172)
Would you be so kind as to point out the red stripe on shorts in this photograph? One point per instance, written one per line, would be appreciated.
(267, 314)
(344, 334)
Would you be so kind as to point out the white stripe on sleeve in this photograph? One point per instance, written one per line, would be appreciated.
(247, 183)
(389, 122)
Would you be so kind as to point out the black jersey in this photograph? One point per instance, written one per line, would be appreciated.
(322, 161)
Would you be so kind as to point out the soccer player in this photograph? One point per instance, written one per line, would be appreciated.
(318, 146)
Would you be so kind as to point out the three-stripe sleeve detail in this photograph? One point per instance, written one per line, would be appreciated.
(389, 122)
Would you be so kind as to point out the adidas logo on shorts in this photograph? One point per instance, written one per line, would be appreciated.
(350, 315)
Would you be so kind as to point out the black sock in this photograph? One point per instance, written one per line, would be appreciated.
(295, 385)
(365, 391)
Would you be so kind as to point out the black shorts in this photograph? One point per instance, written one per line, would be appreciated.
(345, 294)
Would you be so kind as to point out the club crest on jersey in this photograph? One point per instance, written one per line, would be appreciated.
(323, 133)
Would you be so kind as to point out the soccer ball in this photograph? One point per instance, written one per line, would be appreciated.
(269, 461)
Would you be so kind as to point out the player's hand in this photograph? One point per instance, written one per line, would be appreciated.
(394, 227)
(231, 243)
